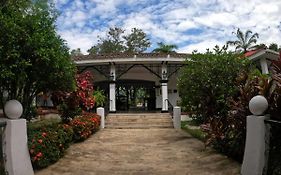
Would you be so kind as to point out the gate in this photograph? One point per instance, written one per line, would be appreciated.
(274, 152)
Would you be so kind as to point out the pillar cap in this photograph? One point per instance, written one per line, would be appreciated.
(258, 105)
(13, 109)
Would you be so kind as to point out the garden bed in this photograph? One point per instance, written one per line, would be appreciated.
(48, 139)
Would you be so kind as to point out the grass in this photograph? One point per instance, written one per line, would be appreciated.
(194, 132)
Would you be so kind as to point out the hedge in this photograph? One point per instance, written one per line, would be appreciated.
(48, 139)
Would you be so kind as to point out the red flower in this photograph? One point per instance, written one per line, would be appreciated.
(44, 134)
(40, 141)
(39, 155)
(31, 151)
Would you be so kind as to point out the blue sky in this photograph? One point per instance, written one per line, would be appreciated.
(190, 24)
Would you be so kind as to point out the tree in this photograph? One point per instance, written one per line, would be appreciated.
(113, 42)
(207, 82)
(33, 58)
(274, 46)
(136, 41)
(93, 50)
(244, 41)
(165, 48)
(116, 42)
(76, 52)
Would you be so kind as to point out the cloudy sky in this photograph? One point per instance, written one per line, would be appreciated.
(190, 24)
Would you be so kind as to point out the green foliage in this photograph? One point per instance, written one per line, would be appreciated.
(100, 98)
(67, 112)
(136, 41)
(194, 132)
(165, 48)
(31, 53)
(274, 46)
(47, 142)
(244, 41)
(116, 42)
(76, 52)
(207, 82)
(48, 139)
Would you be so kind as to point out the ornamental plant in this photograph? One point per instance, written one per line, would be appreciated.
(207, 82)
(84, 126)
(48, 142)
(71, 104)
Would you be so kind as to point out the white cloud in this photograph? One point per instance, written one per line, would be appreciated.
(201, 46)
(170, 21)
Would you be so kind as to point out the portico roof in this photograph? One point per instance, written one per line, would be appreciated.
(130, 58)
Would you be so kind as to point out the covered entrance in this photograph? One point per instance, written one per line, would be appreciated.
(135, 95)
(132, 95)
(135, 82)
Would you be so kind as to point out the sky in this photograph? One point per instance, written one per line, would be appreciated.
(190, 24)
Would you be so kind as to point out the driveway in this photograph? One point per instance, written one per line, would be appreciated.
(159, 151)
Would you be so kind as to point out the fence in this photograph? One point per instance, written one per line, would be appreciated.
(274, 152)
(2, 155)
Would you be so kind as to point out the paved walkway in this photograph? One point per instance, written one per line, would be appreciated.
(141, 152)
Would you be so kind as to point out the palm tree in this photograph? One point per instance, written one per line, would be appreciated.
(245, 41)
(165, 48)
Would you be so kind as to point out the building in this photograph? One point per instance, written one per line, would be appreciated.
(135, 82)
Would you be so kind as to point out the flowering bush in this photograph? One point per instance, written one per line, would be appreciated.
(48, 143)
(85, 125)
(48, 140)
(71, 104)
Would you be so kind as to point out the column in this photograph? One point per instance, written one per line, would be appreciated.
(164, 88)
(112, 87)
(264, 66)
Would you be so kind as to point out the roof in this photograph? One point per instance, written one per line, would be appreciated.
(129, 58)
(129, 55)
(252, 52)
(262, 53)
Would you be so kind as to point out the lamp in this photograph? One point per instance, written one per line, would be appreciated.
(164, 75)
(111, 77)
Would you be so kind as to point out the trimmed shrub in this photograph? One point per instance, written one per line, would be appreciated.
(207, 82)
(48, 139)
(47, 142)
(84, 126)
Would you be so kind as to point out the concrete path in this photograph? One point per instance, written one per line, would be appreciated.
(156, 151)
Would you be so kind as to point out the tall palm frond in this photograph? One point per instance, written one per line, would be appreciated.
(165, 48)
(245, 41)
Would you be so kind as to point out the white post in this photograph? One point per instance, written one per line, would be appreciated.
(112, 86)
(100, 112)
(254, 155)
(164, 87)
(177, 117)
(15, 141)
(264, 66)
(16, 149)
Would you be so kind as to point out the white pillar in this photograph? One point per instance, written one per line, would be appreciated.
(16, 150)
(164, 87)
(264, 66)
(100, 112)
(255, 149)
(112, 87)
(177, 117)
(254, 155)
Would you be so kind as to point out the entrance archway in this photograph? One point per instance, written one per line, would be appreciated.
(132, 95)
